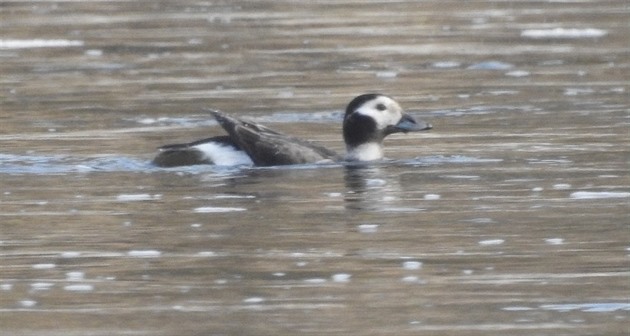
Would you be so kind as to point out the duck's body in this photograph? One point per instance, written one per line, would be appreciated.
(369, 118)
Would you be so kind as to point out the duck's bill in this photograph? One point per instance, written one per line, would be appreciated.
(408, 124)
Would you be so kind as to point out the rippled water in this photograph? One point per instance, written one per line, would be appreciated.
(510, 216)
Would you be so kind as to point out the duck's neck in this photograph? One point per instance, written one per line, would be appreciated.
(365, 152)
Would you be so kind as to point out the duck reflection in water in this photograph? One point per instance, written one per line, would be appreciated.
(370, 188)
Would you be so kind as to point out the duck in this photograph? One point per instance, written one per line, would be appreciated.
(369, 118)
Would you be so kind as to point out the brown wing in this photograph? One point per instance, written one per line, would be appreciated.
(267, 147)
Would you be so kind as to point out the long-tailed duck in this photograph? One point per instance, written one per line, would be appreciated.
(369, 118)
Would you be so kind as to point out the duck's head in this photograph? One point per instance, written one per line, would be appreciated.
(369, 119)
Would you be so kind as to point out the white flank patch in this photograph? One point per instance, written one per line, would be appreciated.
(223, 155)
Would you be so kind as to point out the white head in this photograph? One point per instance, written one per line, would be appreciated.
(369, 119)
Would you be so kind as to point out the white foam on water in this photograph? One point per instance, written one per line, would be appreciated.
(491, 65)
(588, 307)
(315, 281)
(517, 308)
(375, 182)
(387, 74)
(598, 194)
(41, 285)
(482, 220)
(285, 94)
(412, 279)
(144, 253)
(578, 91)
(79, 288)
(367, 228)
(517, 73)
(446, 64)
(502, 92)
(563, 33)
(207, 254)
(38, 43)
(341, 277)
(554, 241)
(44, 266)
(462, 177)
(491, 242)
(137, 197)
(217, 209)
(6, 286)
(232, 196)
(147, 121)
(94, 52)
(75, 276)
(70, 254)
(412, 265)
(28, 303)
(253, 300)
(432, 197)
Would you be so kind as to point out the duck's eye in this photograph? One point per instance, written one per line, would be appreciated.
(381, 107)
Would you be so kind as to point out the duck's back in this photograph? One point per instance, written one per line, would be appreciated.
(267, 147)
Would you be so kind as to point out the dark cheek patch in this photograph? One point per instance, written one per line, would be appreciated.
(359, 129)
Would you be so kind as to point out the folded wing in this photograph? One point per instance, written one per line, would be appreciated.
(267, 147)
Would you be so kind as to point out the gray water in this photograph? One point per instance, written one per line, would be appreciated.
(509, 217)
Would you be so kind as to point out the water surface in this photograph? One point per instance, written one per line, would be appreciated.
(510, 216)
